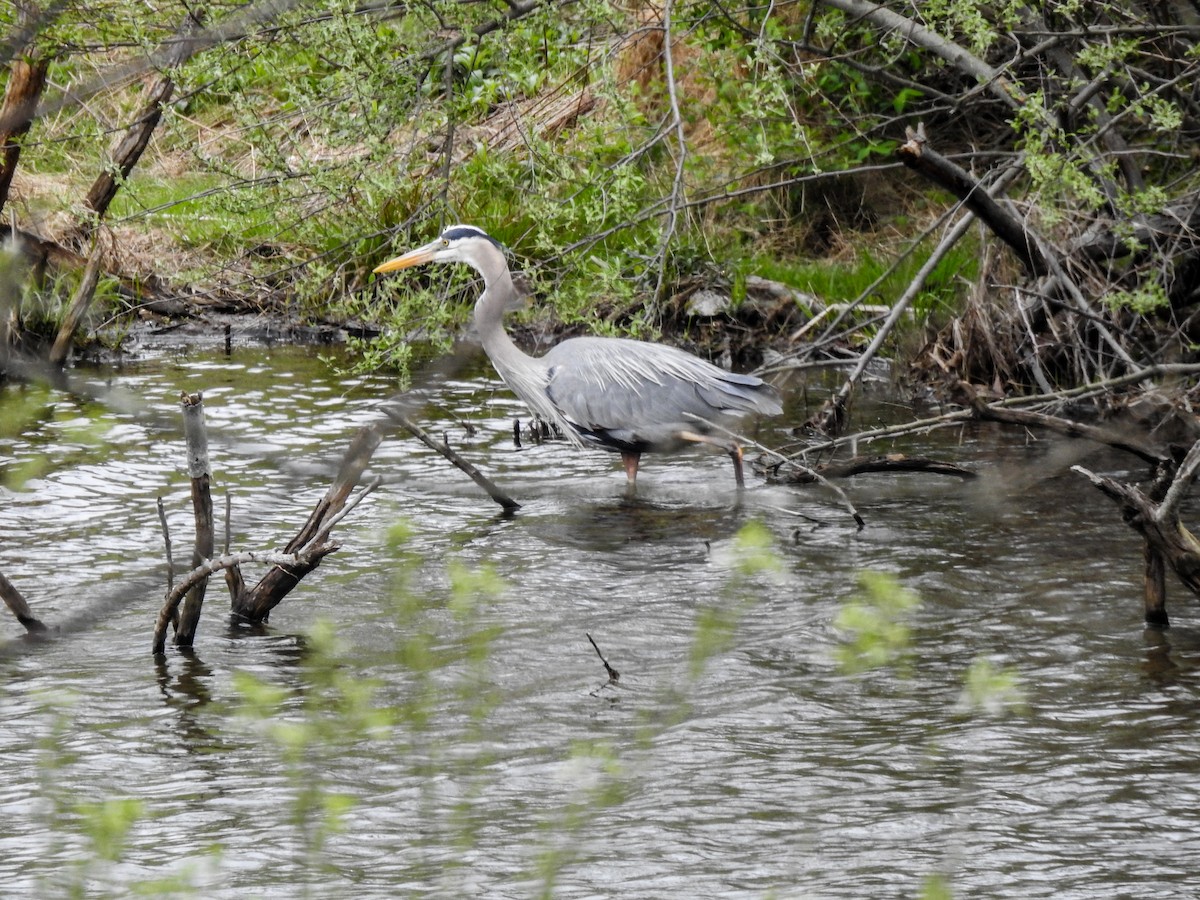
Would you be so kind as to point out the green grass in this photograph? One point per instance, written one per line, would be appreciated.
(196, 209)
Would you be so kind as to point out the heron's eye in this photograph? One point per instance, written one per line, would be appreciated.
(445, 243)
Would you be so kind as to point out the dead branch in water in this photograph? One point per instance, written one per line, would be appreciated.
(613, 674)
(17, 605)
(200, 472)
(311, 544)
(861, 465)
(200, 575)
(507, 503)
(255, 604)
(1167, 541)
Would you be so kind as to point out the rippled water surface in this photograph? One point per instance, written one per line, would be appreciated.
(481, 752)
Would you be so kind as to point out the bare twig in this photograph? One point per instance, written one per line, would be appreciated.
(613, 674)
(234, 582)
(1168, 509)
(166, 532)
(677, 193)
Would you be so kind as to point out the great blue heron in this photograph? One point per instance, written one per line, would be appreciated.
(628, 397)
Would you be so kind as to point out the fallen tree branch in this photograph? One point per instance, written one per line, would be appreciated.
(201, 573)
(507, 503)
(1167, 540)
(1069, 427)
(917, 155)
(255, 604)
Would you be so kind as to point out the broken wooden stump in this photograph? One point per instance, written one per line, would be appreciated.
(1167, 541)
(199, 471)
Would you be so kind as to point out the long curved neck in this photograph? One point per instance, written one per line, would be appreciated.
(525, 374)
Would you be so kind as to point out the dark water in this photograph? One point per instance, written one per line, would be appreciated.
(506, 766)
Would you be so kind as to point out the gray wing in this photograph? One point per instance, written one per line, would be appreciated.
(631, 395)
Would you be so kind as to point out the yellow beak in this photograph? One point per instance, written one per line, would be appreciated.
(411, 258)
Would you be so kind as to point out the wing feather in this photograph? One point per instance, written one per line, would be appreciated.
(634, 395)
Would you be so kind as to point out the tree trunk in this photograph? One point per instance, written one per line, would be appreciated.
(26, 80)
(132, 145)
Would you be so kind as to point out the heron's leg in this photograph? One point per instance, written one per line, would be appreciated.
(631, 465)
(734, 451)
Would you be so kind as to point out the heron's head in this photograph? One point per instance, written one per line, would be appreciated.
(458, 243)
